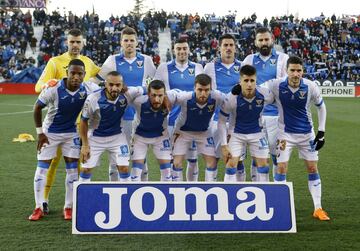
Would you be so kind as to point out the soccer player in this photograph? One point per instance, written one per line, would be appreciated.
(136, 69)
(55, 70)
(64, 101)
(180, 74)
(101, 126)
(197, 108)
(244, 111)
(151, 130)
(294, 96)
(269, 64)
(224, 73)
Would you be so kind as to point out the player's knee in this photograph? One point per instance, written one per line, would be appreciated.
(282, 168)
(312, 168)
(123, 169)
(261, 162)
(86, 170)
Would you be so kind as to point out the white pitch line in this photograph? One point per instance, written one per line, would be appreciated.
(16, 104)
(14, 113)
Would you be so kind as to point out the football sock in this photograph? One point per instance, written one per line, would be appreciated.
(314, 184)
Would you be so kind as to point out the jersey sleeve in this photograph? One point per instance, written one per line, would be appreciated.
(150, 69)
(316, 97)
(198, 69)
(91, 87)
(162, 74)
(47, 96)
(48, 73)
(268, 95)
(87, 108)
(134, 92)
(210, 70)
(108, 66)
(248, 60)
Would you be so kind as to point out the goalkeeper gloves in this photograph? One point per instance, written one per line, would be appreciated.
(319, 140)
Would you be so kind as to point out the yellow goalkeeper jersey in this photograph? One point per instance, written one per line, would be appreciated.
(57, 66)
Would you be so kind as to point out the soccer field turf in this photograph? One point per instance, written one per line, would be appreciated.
(339, 160)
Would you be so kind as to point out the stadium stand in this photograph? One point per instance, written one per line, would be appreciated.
(330, 46)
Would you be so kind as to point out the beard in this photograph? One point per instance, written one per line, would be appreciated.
(265, 50)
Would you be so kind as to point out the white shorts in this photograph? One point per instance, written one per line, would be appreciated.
(287, 141)
(192, 151)
(116, 145)
(203, 140)
(161, 147)
(69, 143)
(257, 142)
(271, 128)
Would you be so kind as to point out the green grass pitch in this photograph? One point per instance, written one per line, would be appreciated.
(339, 170)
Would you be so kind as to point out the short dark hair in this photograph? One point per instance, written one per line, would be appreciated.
(76, 61)
(203, 79)
(114, 73)
(247, 70)
(156, 85)
(226, 36)
(128, 31)
(180, 41)
(75, 32)
(262, 30)
(294, 60)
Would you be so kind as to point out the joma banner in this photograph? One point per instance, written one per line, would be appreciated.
(123, 208)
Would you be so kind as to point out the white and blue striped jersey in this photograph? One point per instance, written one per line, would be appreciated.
(149, 123)
(104, 115)
(245, 114)
(193, 116)
(63, 106)
(135, 72)
(294, 105)
(267, 68)
(176, 76)
(223, 77)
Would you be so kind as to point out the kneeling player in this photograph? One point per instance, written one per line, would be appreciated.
(151, 130)
(65, 101)
(197, 108)
(102, 114)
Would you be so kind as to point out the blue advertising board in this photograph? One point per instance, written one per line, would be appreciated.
(166, 207)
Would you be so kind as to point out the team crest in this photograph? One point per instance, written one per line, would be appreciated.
(82, 95)
(273, 61)
(236, 68)
(122, 102)
(302, 94)
(210, 108)
(259, 102)
(191, 71)
(140, 64)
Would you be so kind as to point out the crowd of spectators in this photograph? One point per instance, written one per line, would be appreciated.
(16, 32)
(330, 46)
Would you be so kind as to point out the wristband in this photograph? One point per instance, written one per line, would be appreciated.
(39, 130)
